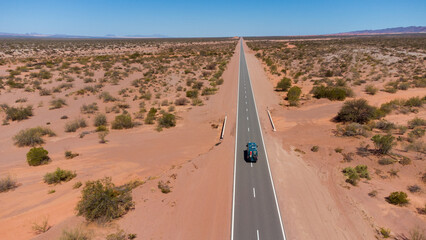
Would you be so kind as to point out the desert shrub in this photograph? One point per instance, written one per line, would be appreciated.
(370, 89)
(315, 148)
(352, 129)
(416, 122)
(192, 93)
(293, 95)
(181, 101)
(414, 188)
(7, 183)
(386, 161)
(100, 120)
(37, 156)
(123, 121)
(150, 118)
(167, 120)
(77, 185)
(384, 125)
(41, 227)
(385, 232)
(59, 176)
(120, 235)
(164, 187)
(208, 91)
(354, 174)
(70, 155)
(417, 132)
(72, 126)
(57, 103)
(107, 97)
(102, 201)
(383, 143)
(18, 113)
(284, 84)
(45, 92)
(89, 109)
(75, 234)
(32, 136)
(397, 198)
(356, 111)
(417, 233)
(416, 146)
(413, 102)
(331, 93)
(102, 135)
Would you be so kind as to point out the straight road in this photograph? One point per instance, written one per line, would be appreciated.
(255, 211)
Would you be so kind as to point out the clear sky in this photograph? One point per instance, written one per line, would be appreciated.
(206, 18)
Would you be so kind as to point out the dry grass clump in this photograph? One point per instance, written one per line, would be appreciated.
(32, 136)
(58, 176)
(78, 233)
(18, 113)
(72, 126)
(57, 103)
(89, 108)
(7, 183)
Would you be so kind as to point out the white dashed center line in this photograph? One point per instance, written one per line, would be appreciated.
(254, 192)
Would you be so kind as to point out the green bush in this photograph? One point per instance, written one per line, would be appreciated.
(383, 143)
(59, 176)
(414, 102)
(32, 136)
(417, 132)
(150, 118)
(397, 198)
(356, 111)
(284, 84)
(208, 91)
(354, 174)
(315, 148)
(72, 126)
(102, 201)
(164, 187)
(70, 155)
(100, 120)
(167, 120)
(293, 95)
(192, 93)
(107, 97)
(123, 121)
(37, 156)
(18, 113)
(331, 93)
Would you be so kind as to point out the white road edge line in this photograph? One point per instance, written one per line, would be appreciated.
(266, 154)
(236, 139)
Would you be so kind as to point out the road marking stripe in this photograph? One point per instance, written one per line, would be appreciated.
(257, 234)
(266, 155)
(254, 192)
(248, 129)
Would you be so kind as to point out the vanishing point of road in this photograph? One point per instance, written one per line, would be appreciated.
(255, 210)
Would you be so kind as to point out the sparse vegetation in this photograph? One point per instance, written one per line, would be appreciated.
(59, 176)
(32, 136)
(7, 183)
(70, 155)
(57, 103)
(18, 113)
(164, 187)
(100, 120)
(167, 120)
(356, 111)
(72, 126)
(77, 233)
(354, 174)
(383, 143)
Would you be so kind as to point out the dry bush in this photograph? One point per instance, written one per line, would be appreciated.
(58, 176)
(7, 183)
(32, 136)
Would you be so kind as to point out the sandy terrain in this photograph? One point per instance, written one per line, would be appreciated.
(315, 201)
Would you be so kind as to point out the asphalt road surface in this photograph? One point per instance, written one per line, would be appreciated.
(255, 210)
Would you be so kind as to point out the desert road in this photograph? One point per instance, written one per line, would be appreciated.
(255, 210)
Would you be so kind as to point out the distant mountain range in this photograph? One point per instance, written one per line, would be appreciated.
(64, 36)
(396, 30)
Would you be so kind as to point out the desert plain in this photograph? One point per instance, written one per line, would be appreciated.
(147, 114)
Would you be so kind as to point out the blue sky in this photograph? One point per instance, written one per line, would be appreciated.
(206, 18)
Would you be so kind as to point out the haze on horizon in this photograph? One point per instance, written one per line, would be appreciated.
(206, 18)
